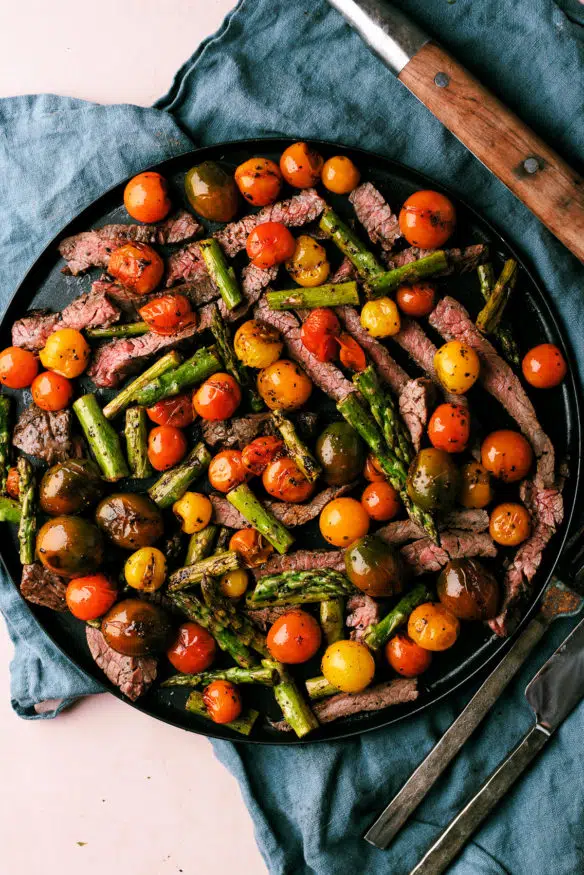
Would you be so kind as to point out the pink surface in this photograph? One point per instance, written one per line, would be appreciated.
(144, 798)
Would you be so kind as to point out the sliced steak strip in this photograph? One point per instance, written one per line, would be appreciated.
(459, 260)
(344, 272)
(420, 348)
(376, 216)
(401, 531)
(424, 556)
(299, 210)
(454, 323)
(415, 403)
(255, 279)
(132, 674)
(265, 617)
(186, 265)
(31, 332)
(302, 560)
(91, 310)
(41, 587)
(45, 435)
(362, 612)
(287, 513)
(393, 374)
(238, 432)
(93, 248)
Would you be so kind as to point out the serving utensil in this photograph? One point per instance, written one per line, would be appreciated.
(536, 174)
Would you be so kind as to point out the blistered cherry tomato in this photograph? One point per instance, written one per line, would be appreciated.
(212, 192)
(51, 391)
(222, 701)
(475, 486)
(348, 665)
(90, 597)
(66, 352)
(544, 366)
(340, 175)
(309, 265)
(233, 584)
(146, 197)
(270, 244)
(252, 547)
(167, 314)
(167, 446)
(457, 366)
(193, 649)
(294, 637)
(381, 501)
(507, 455)
(343, 521)
(137, 267)
(427, 219)
(433, 626)
(194, 511)
(13, 483)
(226, 470)
(284, 385)
(18, 367)
(372, 470)
(301, 165)
(510, 524)
(449, 428)
(350, 353)
(406, 657)
(417, 300)
(259, 180)
(177, 411)
(145, 569)
(284, 480)
(217, 398)
(257, 344)
(319, 333)
(380, 318)
(260, 452)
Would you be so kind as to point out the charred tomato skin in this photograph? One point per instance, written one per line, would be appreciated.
(136, 628)
(130, 520)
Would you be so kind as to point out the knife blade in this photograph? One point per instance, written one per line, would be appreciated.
(559, 685)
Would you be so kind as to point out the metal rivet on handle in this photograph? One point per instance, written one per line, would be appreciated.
(531, 165)
(441, 80)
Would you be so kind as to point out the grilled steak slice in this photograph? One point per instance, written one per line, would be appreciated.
(393, 374)
(299, 210)
(31, 332)
(344, 272)
(453, 322)
(132, 674)
(44, 434)
(415, 402)
(93, 248)
(302, 560)
(420, 348)
(362, 612)
(41, 587)
(287, 513)
(402, 531)
(255, 279)
(265, 617)
(91, 310)
(376, 216)
(424, 556)
(238, 432)
(186, 265)
(115, 361)
(459, 260)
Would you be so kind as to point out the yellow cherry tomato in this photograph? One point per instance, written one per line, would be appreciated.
(194, 510)
(340, 175)
(66, 352)
(257, 344)
(380, 318)
(348, 665)
(233, 584)
(475, 486)
(433, 626)
(343, 521)
(457, 366)
(284, 385)
(309, 265)
(146, 569)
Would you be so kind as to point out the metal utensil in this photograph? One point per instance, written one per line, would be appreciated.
(553, 693)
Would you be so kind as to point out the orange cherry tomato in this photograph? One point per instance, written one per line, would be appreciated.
(510, 524)
(340, 175)
(259, 180)
(167, 445)
(18, 367)
(217, 398)
(222, 701)
(343, 521)
(51, 391)
(257, 456)
(284, 480)
(406, 657)
(320, 332)
(449, 428)
(177, 411)
(507, 455)
(372, 471)
(193, 649)
(226, 470)
(433, 627)
(427, 219)
(301, 165)
(350, 353)
(294, 637)
(270, 244)
(381, 501)
(167, 314)
(417, 300)
(544, 366)
(90, 597)
(146, 197)
(251, 546)
(137, 267)
(13, 483)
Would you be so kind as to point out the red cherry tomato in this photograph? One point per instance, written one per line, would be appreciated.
(284, 480)
(257, 456)
(177, 411)
(381, 501)
(217, 398)
(372, 470)
(167, 446)
(13, 483)
(18, 367)
(320, 334)
(544, 366)
(427, 219)
(259, 180)
(137, 266)
(449, 428)
(226, 470)
(51, 391)
(270, 244)
(90, 597)
(167, 314)
(417, 300)
(251, 546)
(146, 197)
(301, 165)
(294, 637)
(406, 657)
(350, 353)
(193, 650)
(222, 701)
(507, 455)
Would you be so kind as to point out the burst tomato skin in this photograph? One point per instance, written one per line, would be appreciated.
(406, 657)
(350, 353)
(301, 165)
(417, 300)
(270, 244)
(284, 480)
(90, 597)
(13, 483)
(167, 446)
(449, 428)
(217, 398)
(137, 267)
(259, 180)
(146, 197)
(167, 314)
(251, 546)
(372, 472)
(18, 367)
(176, 411)
(544, 366)
(294, 637)
(507, 455)
(226, 470)
(427, 219)
(319, 333)
(260, 452)
(51, 391)
(223, 701)
(193, 649)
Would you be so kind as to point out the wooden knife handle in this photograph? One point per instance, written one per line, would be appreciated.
(498, 138)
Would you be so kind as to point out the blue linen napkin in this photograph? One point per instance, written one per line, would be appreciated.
(296, 69)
